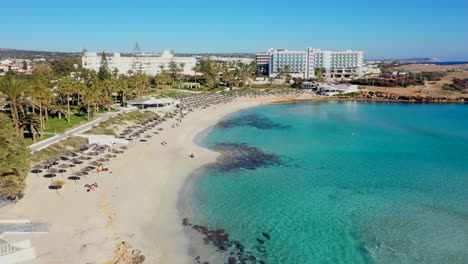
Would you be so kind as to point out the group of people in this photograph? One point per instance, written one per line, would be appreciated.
(91, 187)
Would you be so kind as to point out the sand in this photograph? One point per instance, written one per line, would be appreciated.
(136, 200)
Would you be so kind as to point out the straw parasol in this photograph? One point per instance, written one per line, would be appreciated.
(102, 160)
(76, 176)
(94, 163)
(86, 169)
(56, 185)
(148, 136)
(37, 169)
(124, 147)
(109, 156)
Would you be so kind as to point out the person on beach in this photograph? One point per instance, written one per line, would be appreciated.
(191, 155)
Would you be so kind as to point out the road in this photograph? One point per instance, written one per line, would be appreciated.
(77, 130)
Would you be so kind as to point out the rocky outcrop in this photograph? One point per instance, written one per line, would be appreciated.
(406, 98)
(123, 254)
(234, 249)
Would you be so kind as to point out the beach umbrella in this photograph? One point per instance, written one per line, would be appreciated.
(76, 176)
(49, 176)
(86, 169)
(56, 185)
(47, 164)
(53, 170)
(64, 158)
(124, 147)
(37, 168)
(63, 167)
(155, 132)
(82, 158)
(109, 156)
(94, 163)
(160, 129)
(143, 140)
(117, 151)
(102, 160)
(148, 136)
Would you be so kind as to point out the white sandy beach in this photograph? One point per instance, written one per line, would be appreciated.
(137, 202)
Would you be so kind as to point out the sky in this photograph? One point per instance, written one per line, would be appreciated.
(382, 29)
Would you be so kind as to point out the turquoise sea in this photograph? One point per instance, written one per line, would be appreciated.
(340, 183)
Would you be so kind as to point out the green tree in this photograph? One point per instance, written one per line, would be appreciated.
(67, 88)
(104, 72)
(15, 160)
(25, 65)
(14, 93)
(175, 71)
(319, 75)
(210, 70)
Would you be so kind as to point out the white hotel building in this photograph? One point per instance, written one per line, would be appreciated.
(337, 65)
(150, 63)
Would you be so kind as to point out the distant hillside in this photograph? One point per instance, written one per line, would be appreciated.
(418, 60)
(30, 54)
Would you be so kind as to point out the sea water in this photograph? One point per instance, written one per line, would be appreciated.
(340, 183)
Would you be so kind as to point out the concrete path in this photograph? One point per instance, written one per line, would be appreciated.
(70, 133)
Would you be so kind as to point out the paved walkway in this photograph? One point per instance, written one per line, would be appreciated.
(77, 130)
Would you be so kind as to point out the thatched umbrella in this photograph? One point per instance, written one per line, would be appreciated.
(124, 147)
(148, 136)
(102, 160)
(86, 169)
(47, 164)
(94, 163)
(56, 185)
(64, 166)
(160, 129)
(83, 158)
(109, 156)
(76, 176)
(143, 140)
(50, 176)
(37, 168)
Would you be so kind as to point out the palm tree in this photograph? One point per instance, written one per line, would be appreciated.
(31, 122)
(14, 92)
(67, 88)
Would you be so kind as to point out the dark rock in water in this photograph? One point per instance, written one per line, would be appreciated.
(256, 121)
(197, 258)
(252, 258)
(240, 156)
(261, 262)
(232, 260)
(186, 222)
(201, 229)
(266, 235)
(261, 241)
(239, 245)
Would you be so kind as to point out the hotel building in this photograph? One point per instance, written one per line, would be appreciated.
(148, 63)
(336, 65)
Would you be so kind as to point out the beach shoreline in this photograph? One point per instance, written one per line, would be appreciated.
(137, 200)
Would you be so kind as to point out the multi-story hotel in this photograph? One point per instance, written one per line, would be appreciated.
(336, 65)
(148, 63)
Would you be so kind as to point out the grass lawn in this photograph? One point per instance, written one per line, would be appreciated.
(61, 125)
(29, 141)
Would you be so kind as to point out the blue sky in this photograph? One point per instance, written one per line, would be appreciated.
(382, 29)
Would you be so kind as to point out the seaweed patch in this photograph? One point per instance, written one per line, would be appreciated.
(240, 156)
(256, 121)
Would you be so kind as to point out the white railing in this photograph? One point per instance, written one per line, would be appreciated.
(7, 248)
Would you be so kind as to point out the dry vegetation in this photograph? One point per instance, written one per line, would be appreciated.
(115, 124)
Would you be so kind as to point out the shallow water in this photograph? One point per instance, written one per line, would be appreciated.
(340, 183)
